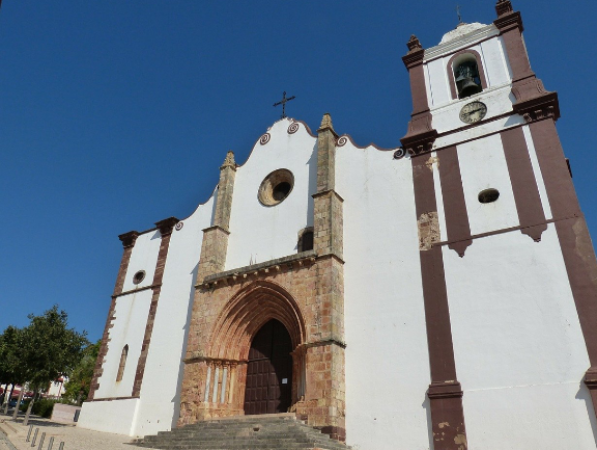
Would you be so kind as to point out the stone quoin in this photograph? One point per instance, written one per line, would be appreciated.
(439, 295)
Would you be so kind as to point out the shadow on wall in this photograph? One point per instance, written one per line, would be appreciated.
(584, 394)
(176, 399)
(312, 163)
(427, 407)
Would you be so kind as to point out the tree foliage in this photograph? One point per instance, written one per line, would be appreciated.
(41, 352)
(76, 389)
(11, 369)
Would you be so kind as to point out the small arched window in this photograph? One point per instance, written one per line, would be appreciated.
(305, 241)
(123, 356)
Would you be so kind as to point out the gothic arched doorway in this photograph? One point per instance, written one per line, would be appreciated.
(269, 371)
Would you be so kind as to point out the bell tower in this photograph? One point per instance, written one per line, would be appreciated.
(492, 189)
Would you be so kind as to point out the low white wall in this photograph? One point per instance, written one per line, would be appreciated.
(113, 416)
(63, 413)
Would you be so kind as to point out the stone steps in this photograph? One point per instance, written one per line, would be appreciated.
(263, 432)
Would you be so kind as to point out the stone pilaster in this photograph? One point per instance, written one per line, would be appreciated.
(325, 393)
(326, 155)
(215, 238)
(328, 224)
(225, 190)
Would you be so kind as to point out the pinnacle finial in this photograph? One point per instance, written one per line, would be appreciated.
(503, 7)
(326, 122)
(229, 160)
(414, 44)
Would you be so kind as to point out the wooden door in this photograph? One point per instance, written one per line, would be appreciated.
(269, 371)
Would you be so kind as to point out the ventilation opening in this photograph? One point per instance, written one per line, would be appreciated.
(489, 195)
(276, 187)
(305, 241)
(466, 74)
(138, 277)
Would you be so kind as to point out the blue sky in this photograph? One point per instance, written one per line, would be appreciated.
(117, 114)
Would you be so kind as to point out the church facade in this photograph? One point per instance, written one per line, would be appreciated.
(439, 295)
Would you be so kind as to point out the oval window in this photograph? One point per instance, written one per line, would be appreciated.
(138, 277)
(276, 187)
(489, 195)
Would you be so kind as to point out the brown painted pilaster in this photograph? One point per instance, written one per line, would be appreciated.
(457, 224)
(420, 135)
(128, 242)
(575, 241)
(528, 90)
(524, 185)
(445, 393)
(165, 226)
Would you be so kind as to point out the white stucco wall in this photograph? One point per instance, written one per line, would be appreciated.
(482, 166)
(158, 406)
(260, 233)
(387, 370)
(537, 171)
(128, 329)
(160, 392)
(143, 257)
(112, 416)
(520, 354)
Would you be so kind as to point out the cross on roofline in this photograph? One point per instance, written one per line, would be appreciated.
(282, 102)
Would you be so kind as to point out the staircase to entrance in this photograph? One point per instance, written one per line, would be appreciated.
(256, 432)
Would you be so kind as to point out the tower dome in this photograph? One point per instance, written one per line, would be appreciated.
(461, 30)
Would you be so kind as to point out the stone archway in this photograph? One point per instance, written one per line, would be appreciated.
(247, 312)
(216, 372)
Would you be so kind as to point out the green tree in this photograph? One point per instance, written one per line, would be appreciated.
(49, 348)
(12, 369)
(9, 360)
(76, 389)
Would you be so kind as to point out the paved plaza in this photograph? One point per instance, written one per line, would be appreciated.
(13, 436)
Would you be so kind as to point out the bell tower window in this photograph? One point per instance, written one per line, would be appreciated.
(467, 78)
(466, 74)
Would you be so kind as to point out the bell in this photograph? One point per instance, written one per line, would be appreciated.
(467, 75)
(467, 87)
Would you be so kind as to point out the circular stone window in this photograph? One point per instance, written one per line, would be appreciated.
(276, 187)
(138, 277)
(489, 195)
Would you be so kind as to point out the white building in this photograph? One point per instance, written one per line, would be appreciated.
(440, 295)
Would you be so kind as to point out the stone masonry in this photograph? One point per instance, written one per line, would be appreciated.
(305, 292)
